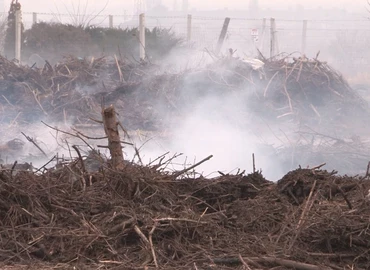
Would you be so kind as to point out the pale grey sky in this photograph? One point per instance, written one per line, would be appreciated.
(120, 5)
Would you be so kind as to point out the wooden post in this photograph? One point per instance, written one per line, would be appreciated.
(272, 37)
(262, 41)
(34, 18)
(142, 35)
(110, 21)
(304, 37)
(18, 34)
(114, 141)
(277, 51)
(189, 28)
(222, 35)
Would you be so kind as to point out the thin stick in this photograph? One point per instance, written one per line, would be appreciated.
(137, 153)
(152, 246)
(7, 101)
(272, 260)
(288, 96)
(65, 116)
(71, 134)
(36, 99)
(97, 121)
(121, 79)
(318, 167)
(13, 167)
(88, 137)
(178, 219)
(254, 164)
(80, 158)
(15, 119)
(294, 264)
(192, 167)
(149, 243)
(345, 197)
(142, 236)
(315, 110)
(268, 85)
(34, 143)
(244, 263)
(306, 209)
(161, 156)
(43, 166)
(368, 170)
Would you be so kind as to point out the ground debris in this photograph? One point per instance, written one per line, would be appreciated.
(140, 216)
(305, 91)
(134, 216)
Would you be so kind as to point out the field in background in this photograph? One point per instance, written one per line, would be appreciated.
(342, 43)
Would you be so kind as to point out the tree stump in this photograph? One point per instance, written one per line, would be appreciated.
(114, 141)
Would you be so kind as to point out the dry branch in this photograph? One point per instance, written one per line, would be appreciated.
(34, 143)
(177, 174)
(272, 260)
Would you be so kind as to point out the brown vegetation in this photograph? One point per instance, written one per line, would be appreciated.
(143, 217)
(91, 212)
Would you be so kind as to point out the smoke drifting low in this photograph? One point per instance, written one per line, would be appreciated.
(221, 116)
(215, 120)
(213, 108)
(216, 126)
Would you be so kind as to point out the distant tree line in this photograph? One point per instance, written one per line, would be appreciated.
(52, 41)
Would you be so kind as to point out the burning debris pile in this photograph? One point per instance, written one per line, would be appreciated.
(83, 212)
(304, 91)
(141, 216)
(64, 92)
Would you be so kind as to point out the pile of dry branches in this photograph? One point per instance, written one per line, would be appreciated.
(312, 89)
(71, 90)
(142, 217)
(303, 90)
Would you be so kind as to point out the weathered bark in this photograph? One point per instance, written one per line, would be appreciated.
(114, 141)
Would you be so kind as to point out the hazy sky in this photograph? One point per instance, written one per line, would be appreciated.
(120, 5)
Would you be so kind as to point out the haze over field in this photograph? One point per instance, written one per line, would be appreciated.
(223, 124)
(119, 5)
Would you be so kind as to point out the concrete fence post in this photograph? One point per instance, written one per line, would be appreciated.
(272, 37)
(189, 28)
(110, 21)
(142, 35)
(18, 34)
(222, 35)
(34, 18)
(262, 41)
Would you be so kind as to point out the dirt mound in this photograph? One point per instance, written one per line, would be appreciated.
(141, 217)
